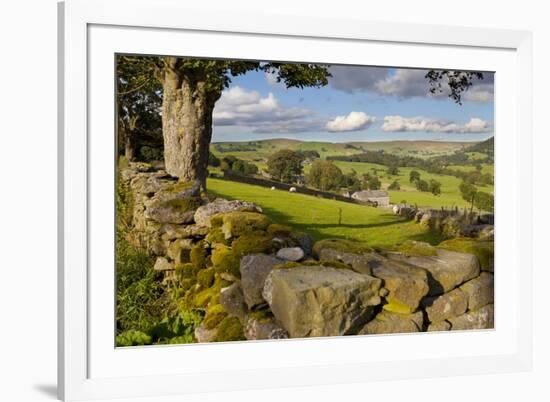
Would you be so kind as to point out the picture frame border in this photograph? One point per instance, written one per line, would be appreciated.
(74, 17)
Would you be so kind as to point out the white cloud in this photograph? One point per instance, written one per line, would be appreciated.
(352, 122)
(356, 78)
(477, 125)
(240, 107)
(412, 124)
(480, 93)
(402, 83)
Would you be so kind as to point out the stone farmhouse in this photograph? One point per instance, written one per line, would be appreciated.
(379, 198)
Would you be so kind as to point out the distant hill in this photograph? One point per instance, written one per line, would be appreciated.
(487, 146)
(261, 148)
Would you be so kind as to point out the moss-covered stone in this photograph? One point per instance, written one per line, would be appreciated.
(179, 187)
(229, 329)
(198, 255)
(216, 221)
(312, 263)
(216, 236)
(484, 250)
(179, 250)
(225, 259)
(415, 248)
(214, 315)
(252, 243)
(346, 246)
(238, 223)
(186, 270)
(202, 298)
(276, 229)
(396, 307)
(183, 204)
(205, 277)
(263, 315)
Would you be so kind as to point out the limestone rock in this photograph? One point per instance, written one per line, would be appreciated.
(304, 241)
(407, 285)
(254, 269)
(480, 291)
(320, 301)
(173, 210)
(203, 334)
(448, 305)
(439, 326)
(172, 232)
(232, 300)
(482, 318)
(238, 223)
(447, 269)
(162, 264)
(219, 206)
(256, 329)
(362, 263)
(179, 250)
(291, 254)
(387, 322)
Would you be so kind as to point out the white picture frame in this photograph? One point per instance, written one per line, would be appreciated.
(90, 368)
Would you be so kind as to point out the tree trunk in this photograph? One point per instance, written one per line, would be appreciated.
(129, 145)
(187, 108)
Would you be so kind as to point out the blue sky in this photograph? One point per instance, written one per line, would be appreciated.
(358, 104)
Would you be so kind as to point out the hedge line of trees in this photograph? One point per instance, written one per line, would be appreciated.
(437, 165)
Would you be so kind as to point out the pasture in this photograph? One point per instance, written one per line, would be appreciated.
(319, 217)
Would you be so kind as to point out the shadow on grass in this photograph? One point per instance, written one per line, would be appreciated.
(316, 230)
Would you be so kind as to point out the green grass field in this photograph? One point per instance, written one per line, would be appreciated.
(319, 216)
(450, 193)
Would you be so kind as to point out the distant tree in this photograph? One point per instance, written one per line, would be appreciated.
(414, 176)
(309, 154)
(324, 175)
(351, 181)
(213, 160)
(435, 187)
(469, 193)
(393, 170)
(473, 177)
(422, 185)
(484, 201)
(225, 165)
(394, 185)
(374, 183)
(284, 164)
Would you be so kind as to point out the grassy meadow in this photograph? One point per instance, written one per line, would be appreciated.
(450, 195)
(319, 217)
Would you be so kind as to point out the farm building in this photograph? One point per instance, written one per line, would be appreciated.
(379, 198)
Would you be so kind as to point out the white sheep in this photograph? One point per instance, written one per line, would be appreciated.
(292, 189)
(273, 188)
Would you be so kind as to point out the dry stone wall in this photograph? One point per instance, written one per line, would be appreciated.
(257, 279)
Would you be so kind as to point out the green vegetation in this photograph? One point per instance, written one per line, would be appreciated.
(284, 165)
(450, 194)
(484, 250)
(319, 217)
(411, 247)
(324, 175)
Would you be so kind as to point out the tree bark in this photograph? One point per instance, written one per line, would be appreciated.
(128, 145)
(187, 108)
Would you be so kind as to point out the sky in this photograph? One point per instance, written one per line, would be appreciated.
(359, 103)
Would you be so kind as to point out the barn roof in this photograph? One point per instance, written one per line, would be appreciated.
(371, 194)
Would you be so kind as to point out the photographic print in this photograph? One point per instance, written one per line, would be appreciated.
(265, 200)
